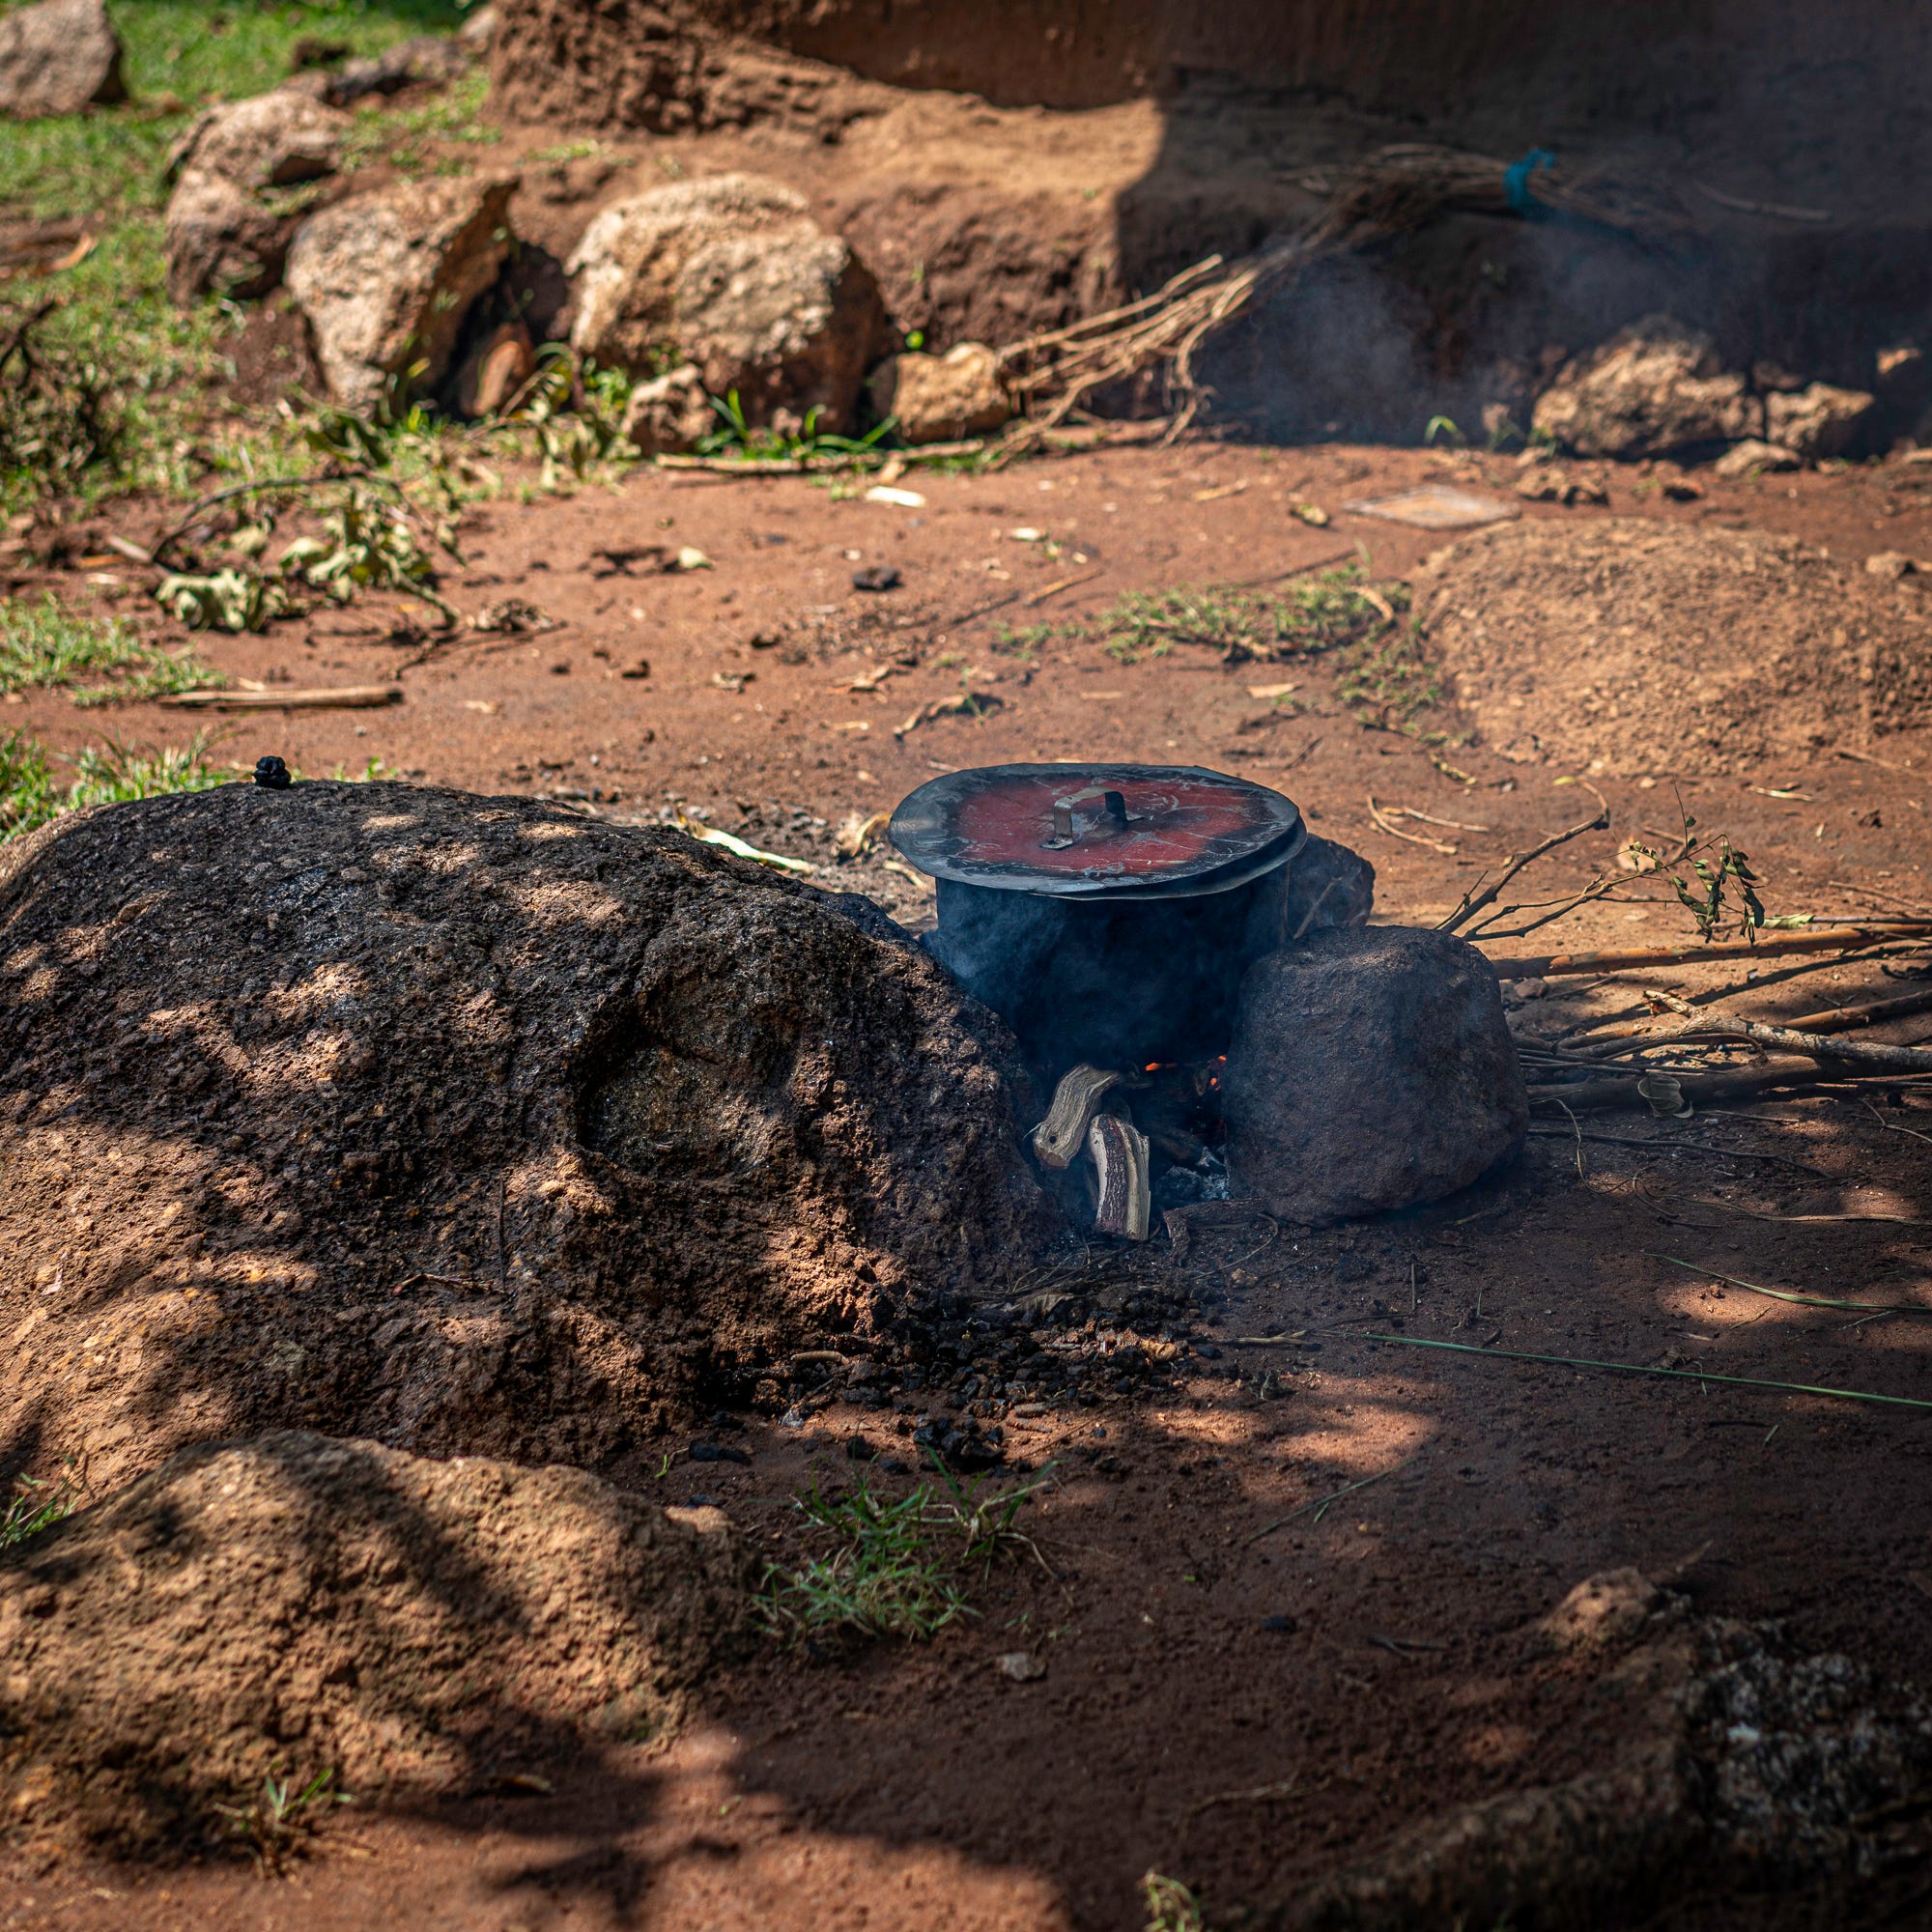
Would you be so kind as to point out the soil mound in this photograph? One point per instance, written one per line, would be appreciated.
(294, 1605)
(1629, 648)
(468, 1125)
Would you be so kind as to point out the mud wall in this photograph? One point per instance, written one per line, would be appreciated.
(1814, 95)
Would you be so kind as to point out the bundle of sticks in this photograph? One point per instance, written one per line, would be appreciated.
(1632, 1064)
(1393, 191)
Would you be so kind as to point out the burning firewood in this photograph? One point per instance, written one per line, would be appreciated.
(1120, 1154)
(1059, 1137)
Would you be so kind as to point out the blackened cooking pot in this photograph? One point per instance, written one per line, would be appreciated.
(1107, 912)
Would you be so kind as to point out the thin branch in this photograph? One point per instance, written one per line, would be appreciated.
(1819, 939)
(16, 342)
(1788, 1040)
(1473, 904)
(1379, 816)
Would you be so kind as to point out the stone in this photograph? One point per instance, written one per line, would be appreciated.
(511, 1133)
(1371, 1068)
(404, 1623)
(734, 275)
(222, 236)
(1717, 1749)
(941, 398)
(386, 279)
(271, 140)
(1753, 456)
(1558, 483)
(1610, 1608)
(494, 371)
(1892, 565)
(1328, 885)
(221, 240)
(58, 57)
(1655, 387)
(479, 32)
(1818, 422)
(669, 415)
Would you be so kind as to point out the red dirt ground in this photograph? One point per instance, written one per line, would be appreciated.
(917, 1787)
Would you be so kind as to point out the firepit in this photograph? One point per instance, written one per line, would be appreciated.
(1188, 972)
(1106, 911)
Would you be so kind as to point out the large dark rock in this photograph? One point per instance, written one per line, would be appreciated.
(465, 1124)
(297, 1603)
(1371, 1068)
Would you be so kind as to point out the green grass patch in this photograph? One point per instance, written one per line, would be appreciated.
(734, 437)
(104, 169)
(401, 136)
(37, 1504)
(1318, 613)
(48, 648)
(1029, 640)
(280, 1822)
(32, 792)
(1169, 1905)
(893, 1566)
(1388, 682)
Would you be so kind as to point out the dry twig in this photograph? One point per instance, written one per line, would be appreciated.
(1818, 939)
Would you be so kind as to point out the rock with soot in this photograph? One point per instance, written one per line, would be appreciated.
(386, 277)
(1371, 1068)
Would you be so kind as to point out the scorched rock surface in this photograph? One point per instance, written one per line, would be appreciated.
(1371, 1068)
(465, 1124)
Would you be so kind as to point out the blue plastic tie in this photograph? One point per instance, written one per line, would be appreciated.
(1516, 180)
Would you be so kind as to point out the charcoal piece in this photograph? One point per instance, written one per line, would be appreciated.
(1371, 1069)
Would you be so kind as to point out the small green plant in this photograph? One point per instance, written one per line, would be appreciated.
(30, 793)
(280, 1822)
(1715, 872)
(28, 796)
(239, 598)
(57, 425)
(893, 1566)
(374, 541)
(1027, 642)
(1442, 429)
(37, 1503)
(45, 647)
(577, 410)
(374, 537)
(1169, 1905)
(735, 437)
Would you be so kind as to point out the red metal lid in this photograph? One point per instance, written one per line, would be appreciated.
(1126, 831)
